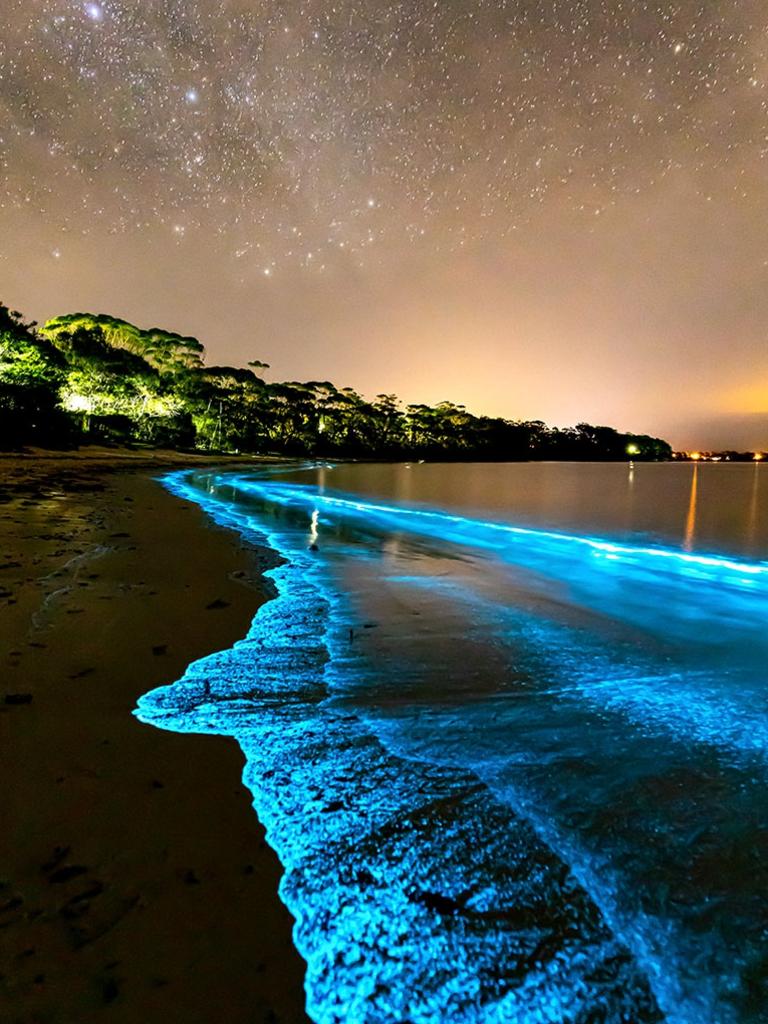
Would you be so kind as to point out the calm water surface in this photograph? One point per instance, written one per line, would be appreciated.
(507, 726)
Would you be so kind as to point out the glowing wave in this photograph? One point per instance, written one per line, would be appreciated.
(417, 894)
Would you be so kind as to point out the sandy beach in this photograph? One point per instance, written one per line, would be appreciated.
(135, 881)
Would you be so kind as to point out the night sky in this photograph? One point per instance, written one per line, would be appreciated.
(550, 210)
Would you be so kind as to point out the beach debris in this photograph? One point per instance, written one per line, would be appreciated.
(18, 698)
(219, 602)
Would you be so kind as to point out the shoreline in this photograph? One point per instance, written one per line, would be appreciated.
(135, 880)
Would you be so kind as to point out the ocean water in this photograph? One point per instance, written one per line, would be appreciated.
(507, 728)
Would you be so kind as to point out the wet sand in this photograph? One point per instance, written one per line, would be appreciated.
(135, 882)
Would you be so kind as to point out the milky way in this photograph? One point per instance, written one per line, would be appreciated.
(541, 209)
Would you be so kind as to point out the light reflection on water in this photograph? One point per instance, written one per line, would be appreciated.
(597, 668)
(690, 522)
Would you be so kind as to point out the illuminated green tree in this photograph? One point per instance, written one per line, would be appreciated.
(165, 351)
(31, 374)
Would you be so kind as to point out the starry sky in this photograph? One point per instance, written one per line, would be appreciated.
(549, 209)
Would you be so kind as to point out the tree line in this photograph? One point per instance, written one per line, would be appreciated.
(93, 378)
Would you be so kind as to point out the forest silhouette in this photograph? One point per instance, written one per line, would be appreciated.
(88, 378)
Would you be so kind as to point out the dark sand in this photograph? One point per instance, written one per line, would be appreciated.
(135, 882)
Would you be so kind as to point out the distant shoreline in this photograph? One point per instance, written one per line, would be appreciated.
(107, 460)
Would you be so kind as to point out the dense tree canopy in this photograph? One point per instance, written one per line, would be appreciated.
(165, 351)
(32, 374)
(89, 377)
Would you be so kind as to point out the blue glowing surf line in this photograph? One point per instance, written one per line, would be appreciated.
(601, 546)
(717, 569)
(540, 991)
(216, 507)
(554, 995)
(283, 492)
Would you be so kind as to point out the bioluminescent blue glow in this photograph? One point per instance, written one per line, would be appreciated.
(513, 775)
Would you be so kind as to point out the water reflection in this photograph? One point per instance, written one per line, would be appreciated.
(690, 520)
(754, 505)
(313, 530)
